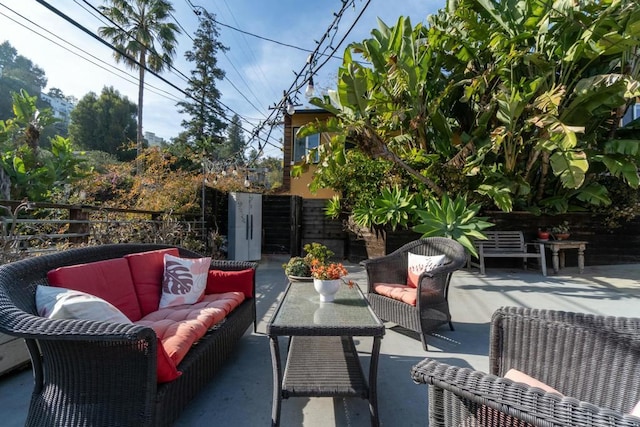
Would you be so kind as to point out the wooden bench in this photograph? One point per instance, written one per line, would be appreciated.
(508, 244)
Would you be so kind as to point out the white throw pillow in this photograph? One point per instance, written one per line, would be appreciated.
(418, 264)
(62, 303)
(184, 280)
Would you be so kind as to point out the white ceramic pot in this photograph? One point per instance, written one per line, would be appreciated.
(327, 289)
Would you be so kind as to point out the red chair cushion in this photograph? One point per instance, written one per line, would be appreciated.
(404, 293)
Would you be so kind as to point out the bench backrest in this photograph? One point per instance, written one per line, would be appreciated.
(503, 241)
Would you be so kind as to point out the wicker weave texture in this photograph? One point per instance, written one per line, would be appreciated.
(432, 302)
(323, 367)
(594, 361)
(102, 374)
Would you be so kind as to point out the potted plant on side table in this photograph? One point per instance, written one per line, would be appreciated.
(561, 232)
(543, 234)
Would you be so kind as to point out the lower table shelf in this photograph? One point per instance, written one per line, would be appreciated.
(323, 366)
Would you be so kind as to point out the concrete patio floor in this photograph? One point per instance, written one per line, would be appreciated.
(241, 394)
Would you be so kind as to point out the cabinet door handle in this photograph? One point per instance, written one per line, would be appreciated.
(251, 226)
(246, 228)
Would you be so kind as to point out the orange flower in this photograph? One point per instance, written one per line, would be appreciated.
(331, 271)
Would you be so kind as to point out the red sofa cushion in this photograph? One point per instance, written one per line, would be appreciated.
(165, 366)
(110, 280)
(219, 281)
(147, 269)
(178, 327)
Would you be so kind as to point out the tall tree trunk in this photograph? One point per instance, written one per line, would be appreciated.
(139, 137)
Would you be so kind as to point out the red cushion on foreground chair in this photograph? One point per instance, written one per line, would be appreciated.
(404, 293)
(220, 281)
(110, 280)
(147, 269)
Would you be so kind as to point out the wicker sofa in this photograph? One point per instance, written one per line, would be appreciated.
(592, 361)
(431, 308)
(104, 374)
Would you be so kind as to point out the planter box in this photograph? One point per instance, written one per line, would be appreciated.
(13, 354)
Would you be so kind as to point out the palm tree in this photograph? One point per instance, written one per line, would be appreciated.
(140, 26)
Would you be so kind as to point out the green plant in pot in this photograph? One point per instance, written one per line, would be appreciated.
(561, 231)
(317, 251)
(299, 268)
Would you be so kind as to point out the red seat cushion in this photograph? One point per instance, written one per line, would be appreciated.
(110, 280)
(404, 293)
(147, 269)
(179, 326)
(219, 281)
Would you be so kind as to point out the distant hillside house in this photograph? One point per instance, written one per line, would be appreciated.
(153, 140)
(61, 107)
(296, 148)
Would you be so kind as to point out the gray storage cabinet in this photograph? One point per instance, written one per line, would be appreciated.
(245, 226)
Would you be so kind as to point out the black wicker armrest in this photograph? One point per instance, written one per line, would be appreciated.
(230, 265)
(462, 396)
(25, 325)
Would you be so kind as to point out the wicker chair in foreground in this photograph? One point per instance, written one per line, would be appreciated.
(426, 307)
(593, 362)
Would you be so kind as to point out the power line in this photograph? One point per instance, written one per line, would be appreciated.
(170, 65)
(255, 60)
(126, 55)
(295, 86)
(209, 17)
(346, 34)
(198, 13)
(151, 88)
(149, 48)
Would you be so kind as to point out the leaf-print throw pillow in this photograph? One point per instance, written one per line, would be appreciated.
(184, 280)
(417, 264)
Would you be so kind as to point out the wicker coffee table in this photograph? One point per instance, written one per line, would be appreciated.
(322, 360)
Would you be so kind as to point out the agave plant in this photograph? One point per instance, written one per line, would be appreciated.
(453, 219)
(393, 208)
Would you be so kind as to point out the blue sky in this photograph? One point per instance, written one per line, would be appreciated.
(257, 70)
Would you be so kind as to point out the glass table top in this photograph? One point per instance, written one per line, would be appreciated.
(301, 308)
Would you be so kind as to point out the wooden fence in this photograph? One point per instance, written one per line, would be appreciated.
(289, 222)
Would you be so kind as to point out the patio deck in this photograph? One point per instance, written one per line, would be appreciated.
(241, 395)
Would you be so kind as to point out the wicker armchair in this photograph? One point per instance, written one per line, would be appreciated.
(432, 305)
(593, 361)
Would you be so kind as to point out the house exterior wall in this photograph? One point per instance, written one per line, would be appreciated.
(61, 108)
(300, 186)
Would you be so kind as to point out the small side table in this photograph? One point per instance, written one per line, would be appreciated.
(557, 251)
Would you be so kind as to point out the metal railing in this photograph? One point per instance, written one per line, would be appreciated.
(28, 228)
